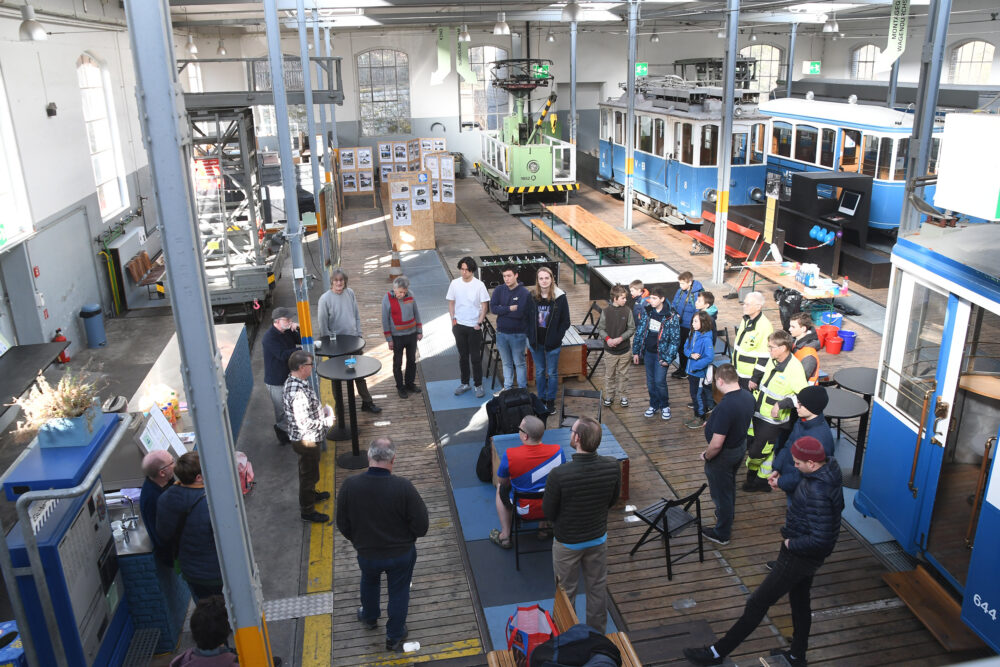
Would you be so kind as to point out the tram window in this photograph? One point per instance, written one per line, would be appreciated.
(982, 343)
(758, 136)
(902, 146)
(932, 162)
(805, 143)
(739, 156)
(828, 139)
(870, 153)
(884, 158)
(781, 139)
(709, 145)
(659, 136)
(645, 133)
(850, 156)
(914, 329)
(605, 123)
(685, 143)
(619, 128)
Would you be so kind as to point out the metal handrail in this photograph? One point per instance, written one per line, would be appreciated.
(920, 438)
(970, 531)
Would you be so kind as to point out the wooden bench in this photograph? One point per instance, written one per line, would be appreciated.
(564, 615)
(646, 254)
(747, 240)
(570, 254)
(147, 273)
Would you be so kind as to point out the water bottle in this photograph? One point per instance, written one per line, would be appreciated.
(410, 647)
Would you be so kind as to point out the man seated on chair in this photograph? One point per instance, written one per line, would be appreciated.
(525, 469)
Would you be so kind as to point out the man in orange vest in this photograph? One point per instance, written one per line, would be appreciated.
(806, 344)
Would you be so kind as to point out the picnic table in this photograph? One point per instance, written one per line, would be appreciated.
(605, 238)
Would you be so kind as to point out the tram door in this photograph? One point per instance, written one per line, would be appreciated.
(982, 590)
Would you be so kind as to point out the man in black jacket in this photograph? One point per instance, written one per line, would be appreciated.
(812, 524)
(383, 515)
(577, 498)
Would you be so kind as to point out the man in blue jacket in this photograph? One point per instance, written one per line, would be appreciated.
(810, 403)
(684, 305)
(277, 344)
(812, 524)
(513, 306)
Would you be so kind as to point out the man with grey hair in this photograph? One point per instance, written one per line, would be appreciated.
(158, 467)
(307, 425)
(402, 329)
(383, 515)
(750, 351)
(338, 313)
(524, 468)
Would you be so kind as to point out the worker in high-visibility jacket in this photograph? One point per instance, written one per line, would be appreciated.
(750, 353)
(771, 424)
(806, 345)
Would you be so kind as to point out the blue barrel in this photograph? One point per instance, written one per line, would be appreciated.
(849, 338)
(833, 317)
(93, 323)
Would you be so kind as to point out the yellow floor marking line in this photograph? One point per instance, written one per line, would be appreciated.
(317, 641)
(458, 649)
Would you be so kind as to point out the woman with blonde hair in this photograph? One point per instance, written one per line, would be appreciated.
(545, 334)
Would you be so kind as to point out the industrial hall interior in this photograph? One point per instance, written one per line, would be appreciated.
(379, 332)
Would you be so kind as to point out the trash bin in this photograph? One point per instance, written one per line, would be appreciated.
(93, 323)
(834, 318)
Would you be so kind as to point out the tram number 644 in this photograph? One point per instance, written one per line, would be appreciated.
(985, 606)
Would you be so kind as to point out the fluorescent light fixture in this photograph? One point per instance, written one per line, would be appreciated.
(571, 12)
(827, 7)
(501, 27)
(192, 48)
(31, 30)
(463, 35)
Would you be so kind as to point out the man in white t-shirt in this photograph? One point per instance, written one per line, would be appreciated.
(468, 302)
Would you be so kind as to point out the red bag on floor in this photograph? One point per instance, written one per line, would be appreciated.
(527, 628)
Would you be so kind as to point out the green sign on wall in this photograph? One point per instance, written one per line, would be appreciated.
(540, 71)
(642, 69)
(811, 66)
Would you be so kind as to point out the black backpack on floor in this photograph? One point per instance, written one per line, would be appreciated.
(505, 413)
(580, 645)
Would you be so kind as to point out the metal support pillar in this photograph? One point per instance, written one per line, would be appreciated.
(931, 62)
(310, 122)
(725, 140)
(572, 82)
(167, 136)
(327, 234)
(293, 226)
(334, 239)
(890, 100)
(633, 10)
(790, 68)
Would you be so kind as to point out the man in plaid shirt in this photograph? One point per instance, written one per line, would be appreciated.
(307, 424)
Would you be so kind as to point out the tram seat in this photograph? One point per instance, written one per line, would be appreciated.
(742, 242)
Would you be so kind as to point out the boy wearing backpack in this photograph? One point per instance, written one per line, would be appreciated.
(656, 340)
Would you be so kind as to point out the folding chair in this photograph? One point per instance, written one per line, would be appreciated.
(668, 518)
(517, 520)
(593, 315)
(567, 420)
(722, 338)
(593, 345)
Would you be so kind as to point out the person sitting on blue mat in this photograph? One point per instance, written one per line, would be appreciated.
(524, 468)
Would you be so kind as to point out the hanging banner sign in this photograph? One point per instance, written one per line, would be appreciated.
(462, 63)
(444, 57)
(898, 20)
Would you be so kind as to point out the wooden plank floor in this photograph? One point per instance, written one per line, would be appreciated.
(857, 619)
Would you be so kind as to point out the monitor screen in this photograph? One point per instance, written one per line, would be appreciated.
(849, 201)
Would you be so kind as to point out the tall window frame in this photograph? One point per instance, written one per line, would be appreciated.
(103, 140)
(15, 224)
(482, 106)
(383, 77)
(971, 62)
(769, 64)
(863, 59)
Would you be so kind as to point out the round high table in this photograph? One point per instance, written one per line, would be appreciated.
(847, 405)
(860, 380)
(335, 369)
(326, 347)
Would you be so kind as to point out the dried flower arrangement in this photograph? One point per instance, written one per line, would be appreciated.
(72, 396)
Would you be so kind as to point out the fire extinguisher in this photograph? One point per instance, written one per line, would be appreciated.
(59, 338)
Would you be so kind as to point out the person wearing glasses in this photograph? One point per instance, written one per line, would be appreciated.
(750, 346)
(524, 468)
(577, 498)
(783, 378)
(158, 466)
(308, 421)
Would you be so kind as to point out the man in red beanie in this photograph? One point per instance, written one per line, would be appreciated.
(812, 524)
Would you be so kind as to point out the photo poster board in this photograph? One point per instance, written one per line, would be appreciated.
(357, 172)
(399, 152)
(441, 166)
(430, 145)
(410, 228)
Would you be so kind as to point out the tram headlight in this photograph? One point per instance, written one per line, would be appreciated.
(533, 166)
(710, 195)
(756, 194)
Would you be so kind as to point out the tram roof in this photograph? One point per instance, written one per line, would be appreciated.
(839, 112)
(971, 250)
(645, 105)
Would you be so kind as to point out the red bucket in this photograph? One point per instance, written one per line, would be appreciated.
(834, 344)
(826, 331)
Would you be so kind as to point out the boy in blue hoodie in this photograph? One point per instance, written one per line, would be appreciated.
(657, 336)
(700, 352)
(683, 305)
(514, 308)
(706, 302)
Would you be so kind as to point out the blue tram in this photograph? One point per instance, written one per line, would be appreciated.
(810, 135)
(677, 148)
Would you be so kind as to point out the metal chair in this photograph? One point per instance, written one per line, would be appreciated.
(517, 520)
(593, 315)
(593, 345)
(668, 518)
(567, 420)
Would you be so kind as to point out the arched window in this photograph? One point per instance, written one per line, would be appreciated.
(768, 64)
(863, 62)
(971, 62)
(16, 220)
(102, 135)
(482, 104)
(383, 92)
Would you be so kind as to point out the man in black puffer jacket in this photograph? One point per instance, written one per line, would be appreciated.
(812, 524)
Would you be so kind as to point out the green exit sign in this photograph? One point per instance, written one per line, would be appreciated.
(642, 69)
(811, 66)
(540, 71)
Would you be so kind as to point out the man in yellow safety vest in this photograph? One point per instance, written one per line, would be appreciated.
(783, 377)
(750, 353)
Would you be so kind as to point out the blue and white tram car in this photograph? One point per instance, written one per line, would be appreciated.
(677, 149)
(810, 135)
(930, 474)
